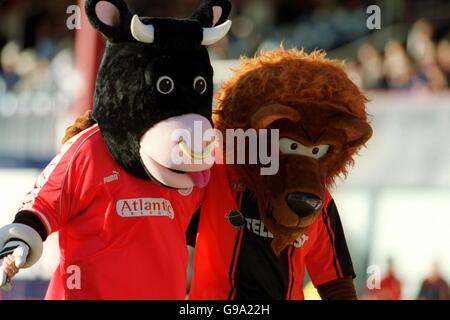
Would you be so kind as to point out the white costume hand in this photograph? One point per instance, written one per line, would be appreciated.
(12, 257)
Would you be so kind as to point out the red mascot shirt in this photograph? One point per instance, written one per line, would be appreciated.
(238, 263)
(120, 237)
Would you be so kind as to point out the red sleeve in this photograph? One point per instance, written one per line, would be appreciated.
(329, 258)
(50, 198)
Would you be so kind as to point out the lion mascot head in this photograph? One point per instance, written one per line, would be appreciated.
(321, 120)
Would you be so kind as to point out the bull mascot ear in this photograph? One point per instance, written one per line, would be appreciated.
(112, 18)
(212, 13)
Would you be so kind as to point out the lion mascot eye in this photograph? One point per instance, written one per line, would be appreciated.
(289, 146)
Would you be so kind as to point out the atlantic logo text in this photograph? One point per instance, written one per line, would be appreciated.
(140, 207)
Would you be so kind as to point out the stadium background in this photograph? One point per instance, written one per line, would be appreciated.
(395, 203)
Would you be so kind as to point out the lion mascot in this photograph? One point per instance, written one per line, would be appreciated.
(117, 195)
(257, 232)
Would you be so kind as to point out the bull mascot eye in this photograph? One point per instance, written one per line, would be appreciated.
(165, 85)
(200, 84)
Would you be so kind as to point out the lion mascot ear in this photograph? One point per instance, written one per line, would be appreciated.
(357, 132)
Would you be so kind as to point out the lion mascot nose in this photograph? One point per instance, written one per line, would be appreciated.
(303, 204)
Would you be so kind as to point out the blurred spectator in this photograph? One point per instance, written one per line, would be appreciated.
(434, 287)
(434, 77)
(397, 66)
(354, 74)
(371, 67)
(40, 35)
(36, 48)
(443, 57)
(419, 41)
(422, 49)
(390, 286)
(9, 58)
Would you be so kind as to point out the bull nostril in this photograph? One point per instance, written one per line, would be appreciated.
(303, 204)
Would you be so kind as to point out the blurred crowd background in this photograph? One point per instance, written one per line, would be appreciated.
(396, 205)
(410, 51)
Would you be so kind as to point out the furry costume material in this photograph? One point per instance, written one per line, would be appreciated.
(313, 103)
(259, 232)
(114, 192)
(129, 72)
(310, 100)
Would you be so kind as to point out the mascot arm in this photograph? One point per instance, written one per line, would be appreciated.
(22, 245)
(339, 289)
(329, 262)
(21, 242)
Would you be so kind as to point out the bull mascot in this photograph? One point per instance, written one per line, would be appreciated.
(117, 195)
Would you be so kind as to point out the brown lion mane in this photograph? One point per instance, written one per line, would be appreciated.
(295, 78)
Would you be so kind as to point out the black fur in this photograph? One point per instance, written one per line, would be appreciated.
(205, 16)
(118, 34)
(126, 101)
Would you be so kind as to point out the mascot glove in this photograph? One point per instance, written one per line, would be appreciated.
(24, 243)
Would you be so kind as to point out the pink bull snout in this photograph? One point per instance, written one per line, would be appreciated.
(179, 151)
